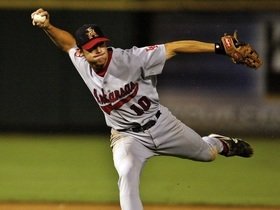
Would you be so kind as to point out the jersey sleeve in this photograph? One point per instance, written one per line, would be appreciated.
(152, 59)
(75, 57)
(78, 60)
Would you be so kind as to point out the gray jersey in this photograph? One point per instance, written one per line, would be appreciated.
(127, 93)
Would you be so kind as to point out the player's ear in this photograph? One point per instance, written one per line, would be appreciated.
(79, 52)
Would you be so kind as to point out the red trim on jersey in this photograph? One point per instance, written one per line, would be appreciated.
(103, 71)
(108, 108)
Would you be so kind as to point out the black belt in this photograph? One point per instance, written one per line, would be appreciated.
(138, 128)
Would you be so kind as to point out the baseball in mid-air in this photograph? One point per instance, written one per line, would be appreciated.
(39, 18)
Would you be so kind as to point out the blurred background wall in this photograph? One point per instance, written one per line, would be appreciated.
(40, 91)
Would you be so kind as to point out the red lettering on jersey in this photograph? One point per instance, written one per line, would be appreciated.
(151, 48)
(116, 98)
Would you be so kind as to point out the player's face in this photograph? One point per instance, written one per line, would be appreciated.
(97, 56)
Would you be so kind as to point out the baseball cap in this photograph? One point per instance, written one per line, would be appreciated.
(89, 35)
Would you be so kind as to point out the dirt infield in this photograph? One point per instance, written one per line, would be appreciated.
(62, 206)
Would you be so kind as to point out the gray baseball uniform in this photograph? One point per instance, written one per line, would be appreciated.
(141, 126)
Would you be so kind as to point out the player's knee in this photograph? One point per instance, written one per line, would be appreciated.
(129, 176)
(129, 171)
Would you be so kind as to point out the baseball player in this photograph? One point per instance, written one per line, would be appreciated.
(123, 83)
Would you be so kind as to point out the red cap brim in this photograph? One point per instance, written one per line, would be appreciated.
(94, 42)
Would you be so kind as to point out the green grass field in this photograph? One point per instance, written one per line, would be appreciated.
(57, 168)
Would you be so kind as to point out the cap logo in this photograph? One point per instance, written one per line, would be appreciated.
(91, 33)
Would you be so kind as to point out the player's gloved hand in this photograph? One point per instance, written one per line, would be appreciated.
(43, 23)
(239, 52)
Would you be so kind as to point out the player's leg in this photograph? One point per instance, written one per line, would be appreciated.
(182, 141)
(172, 137)
(129, 157)
(175, 138)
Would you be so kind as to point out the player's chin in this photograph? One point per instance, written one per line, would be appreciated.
(100, 60)
(98, 63)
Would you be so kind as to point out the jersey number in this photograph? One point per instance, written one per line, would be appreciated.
(144, 105)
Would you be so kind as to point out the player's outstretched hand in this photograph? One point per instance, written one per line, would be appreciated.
(40, 18)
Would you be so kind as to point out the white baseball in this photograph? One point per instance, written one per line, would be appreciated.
(39, 18)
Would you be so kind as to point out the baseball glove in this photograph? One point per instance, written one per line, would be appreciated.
(239, 52)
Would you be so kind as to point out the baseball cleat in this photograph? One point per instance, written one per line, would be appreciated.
(234, 146)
